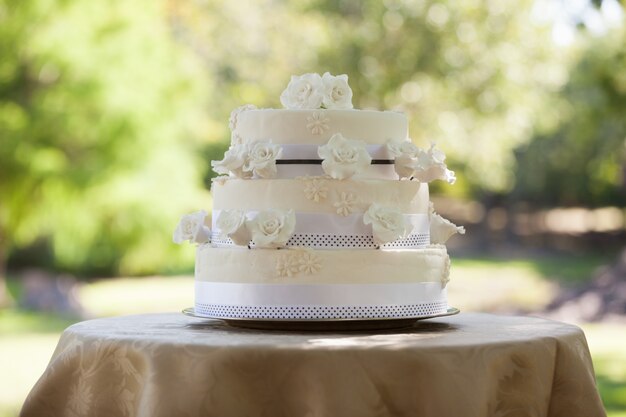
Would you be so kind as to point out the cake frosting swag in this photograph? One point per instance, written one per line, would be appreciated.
(321, 211)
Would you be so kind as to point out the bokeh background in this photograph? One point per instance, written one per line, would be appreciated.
(110, 112)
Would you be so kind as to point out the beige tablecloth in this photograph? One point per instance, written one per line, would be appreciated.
(172, 365)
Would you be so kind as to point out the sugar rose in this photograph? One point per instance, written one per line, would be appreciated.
(261, 160)
(232, 224)
(191, 227)
(342, 158)
(234, 162)
(387, 224)
(337, 92)
(303, 92)
(272, 228)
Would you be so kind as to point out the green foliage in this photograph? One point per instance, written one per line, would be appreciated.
(470, 74)
(582, 160)
(105, 140)
(96, 157)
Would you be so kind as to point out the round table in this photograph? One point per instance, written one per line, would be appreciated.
(173, 365)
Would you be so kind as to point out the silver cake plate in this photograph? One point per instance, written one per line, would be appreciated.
(322, 324)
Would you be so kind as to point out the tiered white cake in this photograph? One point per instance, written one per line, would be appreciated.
(322, 212)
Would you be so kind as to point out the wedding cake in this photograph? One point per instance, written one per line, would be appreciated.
(321, 211)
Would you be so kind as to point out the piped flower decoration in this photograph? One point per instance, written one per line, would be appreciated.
(272, 228)
(387, 224)
(345, 204)
(262, 158)
(298, 261)
(312, 91)
(232, 224)
(317, 123)
(343, 158)
(316, 189)
(191, 228)
(287, 266)
(308, 262)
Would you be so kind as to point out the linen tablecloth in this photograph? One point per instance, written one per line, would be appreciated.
(173, 365)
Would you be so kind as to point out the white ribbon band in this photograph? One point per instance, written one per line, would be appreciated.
(325, 230)
(338, 295)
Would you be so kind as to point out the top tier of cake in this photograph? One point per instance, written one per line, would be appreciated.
(300, 132)
(316, 127)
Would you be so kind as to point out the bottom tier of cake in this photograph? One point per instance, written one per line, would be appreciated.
(307, 284)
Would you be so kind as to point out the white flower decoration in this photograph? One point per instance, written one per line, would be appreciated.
(303, 92)
(191, 227)
(430, 165)
(343, 158)
(316, 189)
(261, 160)
(233, 163)
(308, 262)
(232, 224)
(414, 162)
(287, 266)
(405, 154)
(404, 147)
(442, 229)
(337, 92)
(346, 204)
(387, 224)
(272, 228)
(298, 261)
(318, 123)
(234, 115)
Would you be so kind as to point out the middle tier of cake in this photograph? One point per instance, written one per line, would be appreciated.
(329, 214)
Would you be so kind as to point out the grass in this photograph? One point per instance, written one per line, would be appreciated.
(28, 339)
(606, 342)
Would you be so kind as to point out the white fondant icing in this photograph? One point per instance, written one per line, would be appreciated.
(408, 197)
(291, 126)
(368, 266)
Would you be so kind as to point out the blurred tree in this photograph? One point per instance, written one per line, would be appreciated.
(478, 77)
(99, 120)
(475, 76)
(100, 126)
(582, 160)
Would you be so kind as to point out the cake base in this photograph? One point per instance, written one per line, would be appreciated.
(317, 325)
